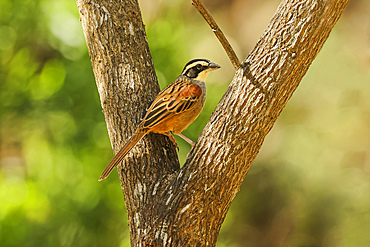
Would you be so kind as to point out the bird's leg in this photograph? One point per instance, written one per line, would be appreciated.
(172, 139)
(187, 140)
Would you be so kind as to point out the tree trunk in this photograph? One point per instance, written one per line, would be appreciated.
(166, 205)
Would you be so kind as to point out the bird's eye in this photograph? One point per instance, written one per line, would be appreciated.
(198, 67)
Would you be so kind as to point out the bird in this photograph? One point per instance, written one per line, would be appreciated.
(173, 109)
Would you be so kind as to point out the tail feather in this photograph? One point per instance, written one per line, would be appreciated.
(122, 153)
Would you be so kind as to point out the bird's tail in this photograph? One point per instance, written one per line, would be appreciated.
(122, 153)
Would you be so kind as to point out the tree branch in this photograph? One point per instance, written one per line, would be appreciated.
(126, 81)
(218, 32)
(166, 205)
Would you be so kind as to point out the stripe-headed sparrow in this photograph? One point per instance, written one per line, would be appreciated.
(174, 108)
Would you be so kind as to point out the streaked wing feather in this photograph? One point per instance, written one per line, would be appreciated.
(156, 119)
(155, 111)
(169, 103)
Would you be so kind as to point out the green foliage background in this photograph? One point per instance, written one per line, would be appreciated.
(309, 186)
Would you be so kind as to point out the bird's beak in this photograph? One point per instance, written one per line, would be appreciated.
(213, 66)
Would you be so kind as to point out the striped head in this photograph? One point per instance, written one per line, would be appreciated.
(198, 69)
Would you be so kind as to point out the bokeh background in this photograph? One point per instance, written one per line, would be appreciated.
(309, 186)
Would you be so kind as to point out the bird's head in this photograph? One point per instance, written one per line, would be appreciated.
(198, 69)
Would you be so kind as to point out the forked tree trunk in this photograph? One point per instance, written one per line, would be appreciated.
(166, 205)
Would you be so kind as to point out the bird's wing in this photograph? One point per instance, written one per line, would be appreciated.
(176, 98)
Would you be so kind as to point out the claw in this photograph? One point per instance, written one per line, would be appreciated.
(187, 156)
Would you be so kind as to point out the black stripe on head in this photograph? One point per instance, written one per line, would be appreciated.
(194, 67)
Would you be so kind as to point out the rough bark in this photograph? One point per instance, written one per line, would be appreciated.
(166, 205)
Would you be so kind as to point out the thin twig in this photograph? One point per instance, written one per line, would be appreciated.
(217, 31)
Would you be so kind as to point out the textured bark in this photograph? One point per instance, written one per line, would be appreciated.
(166, 205)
